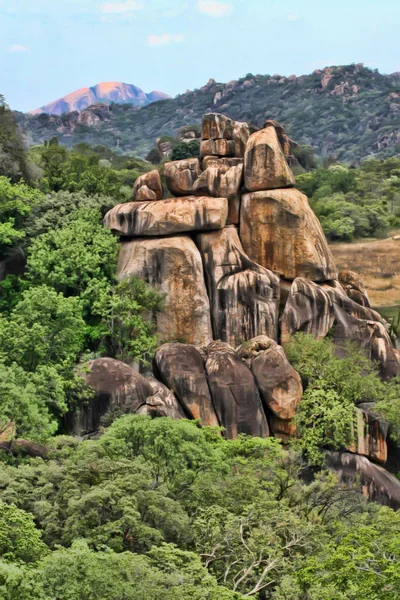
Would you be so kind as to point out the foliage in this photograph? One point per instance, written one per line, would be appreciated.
(19, 538)
(45, 328)
(353, 202)
(129, 330)
(17, 202)
(333, 386)
(13, 160)
(321, 110)
(157, 508)
(186, 150)
(77, 259)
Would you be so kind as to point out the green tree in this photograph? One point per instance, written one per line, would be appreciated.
(78, 259)
(17, 202)
(44, 329)
(124, 310)
(19, 538)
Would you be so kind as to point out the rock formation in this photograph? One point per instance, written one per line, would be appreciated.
(173, 266)
(252, 269)
(119, 390)
(148, 187)
(234, 392)
(168, 217)
(279, 230)
(244, 297)
(181, 367)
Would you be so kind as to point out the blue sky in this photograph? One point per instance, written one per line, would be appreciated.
(49, 48)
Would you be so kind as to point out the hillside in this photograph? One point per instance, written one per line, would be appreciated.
(348, 111)
(105, 93)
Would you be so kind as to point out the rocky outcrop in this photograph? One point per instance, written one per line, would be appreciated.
(316, 309)
(354, 287)
(173, 266)
(181, 368)
(279, 231)
(265, 166)
(308, 309)
(221, 136)
(279, 384)
(374, 482)
(369, 435)
(118, 390)
(180, 175)
(234, 393)
(222, 181)
(148, 187)
(244, 297)
(162, 403)
(167, 217)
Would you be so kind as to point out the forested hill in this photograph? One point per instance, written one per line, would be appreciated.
(350, 112)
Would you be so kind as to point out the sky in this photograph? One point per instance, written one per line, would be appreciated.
(49, 48)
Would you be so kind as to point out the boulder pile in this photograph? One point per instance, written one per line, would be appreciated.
(243, 264)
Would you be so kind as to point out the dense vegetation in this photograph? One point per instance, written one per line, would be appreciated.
(350, 112)
(355, 202)
(160, 509)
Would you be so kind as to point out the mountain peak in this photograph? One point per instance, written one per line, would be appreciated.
(105, 92)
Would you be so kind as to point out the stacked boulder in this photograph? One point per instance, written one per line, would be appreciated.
(243, 264)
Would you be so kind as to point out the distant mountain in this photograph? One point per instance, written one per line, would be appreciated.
(105, 93)
(350, 112)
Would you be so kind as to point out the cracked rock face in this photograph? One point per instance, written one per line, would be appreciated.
(181, 175)
(279, 231)
(265, 166)
(278, 382)
(173, 266)
(148, 187)
(167, 217)
(118, 390)
(181, 367)
(234, 393)
(244, 297)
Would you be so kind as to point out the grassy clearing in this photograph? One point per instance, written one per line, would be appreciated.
(378, 264)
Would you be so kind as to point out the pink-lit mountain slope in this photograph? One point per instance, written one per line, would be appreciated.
(106, 93)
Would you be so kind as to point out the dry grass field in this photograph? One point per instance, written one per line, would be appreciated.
(378, 264)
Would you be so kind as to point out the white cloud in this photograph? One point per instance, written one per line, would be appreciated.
(293, 18)
(121, 7)
(18, 48)
(164, 39)
(214, 8)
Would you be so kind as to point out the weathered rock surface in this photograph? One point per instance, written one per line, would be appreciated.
(284, 140)
(162, 403)
(265, 166)
(118, 390)
(216, 126)
(219, 127)
(354, 287)
(219, 147)
(279, 231)
(173, 266)
(148, 187)
(369, 437)
(214, 161)
(282, 429)
(316, 309)
(222, 181)
(279, 384)
(308, 309)
(375, 482)
(244, 297)
(234, 393)
(181, 175)
(181, 367)
(167, 217)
